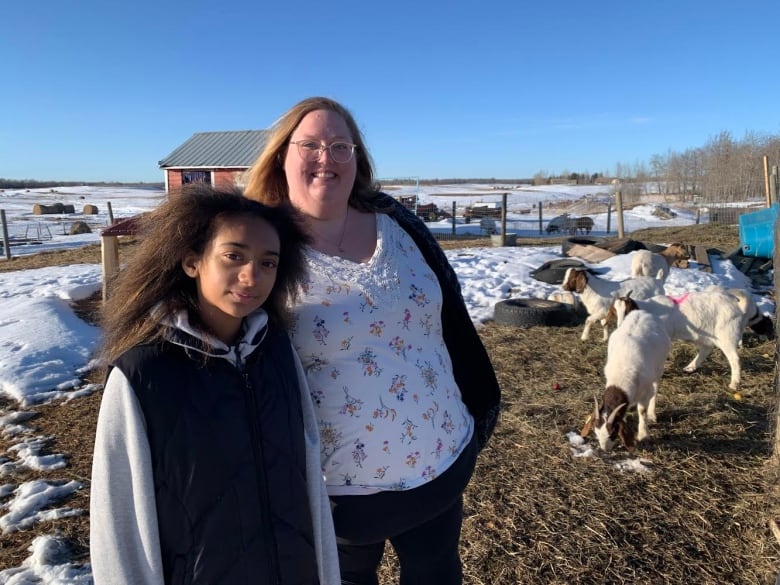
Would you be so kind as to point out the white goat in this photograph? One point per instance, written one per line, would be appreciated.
(636, 354)
(758, 322)
(657, 264)
(710, 318)
(598, 293)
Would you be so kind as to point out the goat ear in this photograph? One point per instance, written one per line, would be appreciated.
(626, 434)
(587, 428)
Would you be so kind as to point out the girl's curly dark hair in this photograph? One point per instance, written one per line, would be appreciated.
(154, 279)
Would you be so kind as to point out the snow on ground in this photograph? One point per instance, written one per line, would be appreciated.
(44, 346)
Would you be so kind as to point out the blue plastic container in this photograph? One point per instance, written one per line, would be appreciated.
(757, 232)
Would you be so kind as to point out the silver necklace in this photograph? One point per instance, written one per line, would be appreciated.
(343, 232)
(329, 243)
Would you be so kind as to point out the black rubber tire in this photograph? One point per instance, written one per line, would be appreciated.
(527, 312)
(658, 248)
(567, 244)
(553, 271)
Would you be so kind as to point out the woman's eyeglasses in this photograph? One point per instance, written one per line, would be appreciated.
(311, 150)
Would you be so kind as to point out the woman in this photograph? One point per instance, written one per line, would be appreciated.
(404, 391)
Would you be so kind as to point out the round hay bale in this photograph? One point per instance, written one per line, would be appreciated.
(40, 209)
(80, 227)
(90, 209)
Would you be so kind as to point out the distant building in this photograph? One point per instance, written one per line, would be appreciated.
(217, 158)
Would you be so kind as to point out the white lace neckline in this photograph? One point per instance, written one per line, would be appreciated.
(378, 276)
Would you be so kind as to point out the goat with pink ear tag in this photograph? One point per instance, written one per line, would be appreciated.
(636, 354)
(714, 317)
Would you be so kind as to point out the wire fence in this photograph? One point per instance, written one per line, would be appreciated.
(573, 218)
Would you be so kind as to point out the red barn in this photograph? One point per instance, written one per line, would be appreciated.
(216, 158)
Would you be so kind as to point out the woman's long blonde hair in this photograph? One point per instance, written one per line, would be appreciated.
(267, 181)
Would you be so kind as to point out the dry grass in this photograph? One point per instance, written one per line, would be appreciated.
(536, 514)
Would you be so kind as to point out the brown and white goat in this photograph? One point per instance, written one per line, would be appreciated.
(636, 354)
(657, 264)
(598, 293)
(709, 318)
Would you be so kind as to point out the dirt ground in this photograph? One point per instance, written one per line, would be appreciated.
(700, 512)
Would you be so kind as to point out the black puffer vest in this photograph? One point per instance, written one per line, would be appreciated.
(228, 458)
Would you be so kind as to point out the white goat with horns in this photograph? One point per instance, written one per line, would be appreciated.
(636, 354)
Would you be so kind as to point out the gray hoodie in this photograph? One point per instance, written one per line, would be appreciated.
(124, 537)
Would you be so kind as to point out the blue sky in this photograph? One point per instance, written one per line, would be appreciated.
(98, 90)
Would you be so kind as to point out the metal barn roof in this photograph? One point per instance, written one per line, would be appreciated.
(238, 148)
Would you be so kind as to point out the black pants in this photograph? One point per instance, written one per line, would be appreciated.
(422, 524)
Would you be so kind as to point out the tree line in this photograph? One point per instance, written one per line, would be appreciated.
(723, 169)
(33, 184)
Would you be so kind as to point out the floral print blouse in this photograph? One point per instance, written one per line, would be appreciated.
(369, 336)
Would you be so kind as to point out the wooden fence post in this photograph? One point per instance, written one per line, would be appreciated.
(540, 217)
(454, 232)
(503, 218)
(767, 188)
(619, 211)
(6, 242)
(109, 251)
(109, 247)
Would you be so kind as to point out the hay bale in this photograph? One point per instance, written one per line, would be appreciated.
(90, 209)
(40, 209)
(80, 227)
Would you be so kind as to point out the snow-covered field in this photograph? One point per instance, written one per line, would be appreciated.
(45, 346)
(30, 233)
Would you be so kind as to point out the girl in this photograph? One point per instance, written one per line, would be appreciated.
(206, 465)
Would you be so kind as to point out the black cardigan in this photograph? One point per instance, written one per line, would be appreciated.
(471, 364)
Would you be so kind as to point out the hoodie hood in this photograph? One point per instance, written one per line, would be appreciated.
(253, 331)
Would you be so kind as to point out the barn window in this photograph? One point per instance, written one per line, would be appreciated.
(195, 177)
